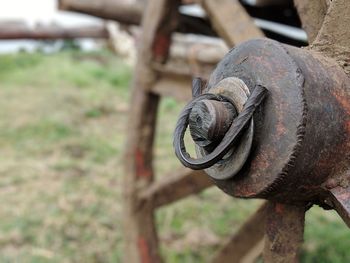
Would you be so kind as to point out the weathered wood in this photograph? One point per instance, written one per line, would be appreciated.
(284, 233)
(231, 21)
(129, 12)
(20, 30)
(254, 254)
(176, 86)
(141, 238)
(245, 244)
(123, 11)
(194, 56)
(311, 13)
(189, 56)
(333, 39)
(175, 187)
(203, 49)
(181, 66)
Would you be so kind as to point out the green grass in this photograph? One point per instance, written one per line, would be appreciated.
(62, 131)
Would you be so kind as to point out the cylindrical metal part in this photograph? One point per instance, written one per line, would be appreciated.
(237, 92)
(209, 120)
(302, 130)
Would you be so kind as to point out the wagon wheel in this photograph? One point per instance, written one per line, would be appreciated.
(142, 195)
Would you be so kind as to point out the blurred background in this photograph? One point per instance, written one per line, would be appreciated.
(64, 92)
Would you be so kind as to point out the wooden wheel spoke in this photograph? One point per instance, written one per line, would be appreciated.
(178, 87)
(284, 232)
(129, 12)
(175, 187)
(140, 229)
(231, 21)
(246, 244)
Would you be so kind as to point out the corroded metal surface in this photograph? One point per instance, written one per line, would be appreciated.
(324, 154)
(302, 130)
(266, 63)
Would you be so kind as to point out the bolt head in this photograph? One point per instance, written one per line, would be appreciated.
(209, 120)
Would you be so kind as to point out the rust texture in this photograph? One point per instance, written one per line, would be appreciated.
(300, 150)
(144, 250)
(265, 62)
(302, 134)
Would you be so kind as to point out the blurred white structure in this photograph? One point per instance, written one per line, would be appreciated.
(121, 42)
(42, 11)
(45, 12)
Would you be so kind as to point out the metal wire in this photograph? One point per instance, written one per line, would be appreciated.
(231, 137)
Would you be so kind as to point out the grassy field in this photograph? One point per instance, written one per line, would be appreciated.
(62, 133)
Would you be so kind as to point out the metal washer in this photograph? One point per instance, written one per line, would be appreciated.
(236, 90)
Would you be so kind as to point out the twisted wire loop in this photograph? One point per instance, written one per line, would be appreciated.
(231, 137)
(197, 84)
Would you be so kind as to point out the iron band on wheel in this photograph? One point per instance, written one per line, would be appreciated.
(231, 137)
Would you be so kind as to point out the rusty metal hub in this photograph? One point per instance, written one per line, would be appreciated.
(301, 135)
